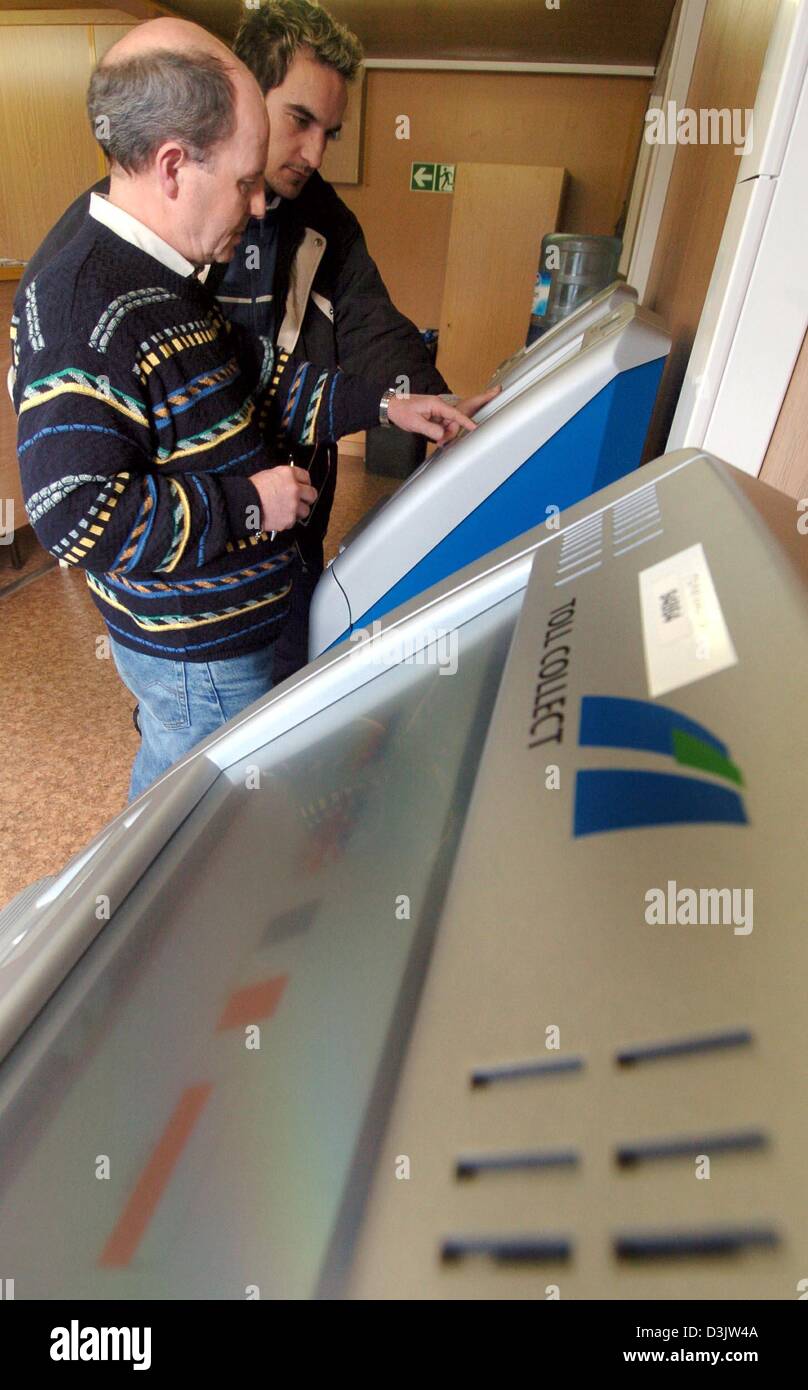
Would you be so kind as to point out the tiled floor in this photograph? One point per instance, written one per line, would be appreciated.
(66, 734)
(33, 562)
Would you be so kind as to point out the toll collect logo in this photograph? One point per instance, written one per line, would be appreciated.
(633, 798)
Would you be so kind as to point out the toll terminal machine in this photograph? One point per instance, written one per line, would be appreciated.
(530, 358)
(440, 971)
(567, 424)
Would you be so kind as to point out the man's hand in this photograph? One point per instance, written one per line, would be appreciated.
(286, 496)
(432, 416)
(472, 404)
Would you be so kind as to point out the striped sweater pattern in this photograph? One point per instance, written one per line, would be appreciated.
(142, 413)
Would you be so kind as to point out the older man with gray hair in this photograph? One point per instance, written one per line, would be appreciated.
(143, 417)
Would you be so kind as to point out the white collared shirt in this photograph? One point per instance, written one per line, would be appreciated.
(138, 234)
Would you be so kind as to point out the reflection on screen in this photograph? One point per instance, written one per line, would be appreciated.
(212, 1068)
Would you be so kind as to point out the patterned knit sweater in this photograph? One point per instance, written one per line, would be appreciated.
(142, 416)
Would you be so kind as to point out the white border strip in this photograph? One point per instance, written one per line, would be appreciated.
(654, 166)
(492, 65)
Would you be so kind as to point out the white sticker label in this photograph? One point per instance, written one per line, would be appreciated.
(683, 628)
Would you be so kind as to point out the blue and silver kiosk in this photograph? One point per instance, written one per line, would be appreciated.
(507, 899)
(571, 418)
(562, 334)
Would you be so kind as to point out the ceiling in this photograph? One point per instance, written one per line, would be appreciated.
(626, 32)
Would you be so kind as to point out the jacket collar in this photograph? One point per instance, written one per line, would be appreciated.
(309, 254)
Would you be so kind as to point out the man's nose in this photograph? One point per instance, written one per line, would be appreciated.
(313, 148)
(258, 202)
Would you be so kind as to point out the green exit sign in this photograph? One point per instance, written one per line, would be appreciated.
(432, 178)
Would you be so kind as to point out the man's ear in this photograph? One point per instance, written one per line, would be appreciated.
(169, 162)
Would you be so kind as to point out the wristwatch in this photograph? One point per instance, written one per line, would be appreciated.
(384, 406)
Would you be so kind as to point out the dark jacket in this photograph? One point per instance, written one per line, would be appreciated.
(335, 312)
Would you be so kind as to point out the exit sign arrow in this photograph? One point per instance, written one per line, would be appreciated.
(422, 178)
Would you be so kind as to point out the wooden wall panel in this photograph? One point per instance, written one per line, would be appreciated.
(590, 126)
(343, 158)
(79, 12)
(584, 31)
(105, 35)
(727, 71)
(545, 31)
(786, 463)
(9, 470)
(490, 278)
(49, 154)
(70, 14)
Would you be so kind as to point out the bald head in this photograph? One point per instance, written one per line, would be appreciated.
(185, 128)
(189, 41)
(173, 35)
(180, 36)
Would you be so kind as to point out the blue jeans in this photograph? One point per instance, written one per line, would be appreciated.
(181, 702)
